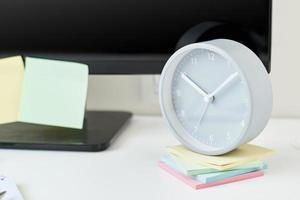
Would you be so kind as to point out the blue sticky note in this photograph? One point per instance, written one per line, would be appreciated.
(216, 176)
(170, 162)
(192, 169)
(54, 93)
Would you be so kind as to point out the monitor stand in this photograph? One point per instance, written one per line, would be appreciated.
(100, 129)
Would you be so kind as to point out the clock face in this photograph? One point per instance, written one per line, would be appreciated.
(210, 98)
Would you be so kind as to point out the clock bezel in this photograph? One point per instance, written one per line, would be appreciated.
(167, 104)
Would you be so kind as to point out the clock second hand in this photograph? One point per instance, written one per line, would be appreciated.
(202, 115)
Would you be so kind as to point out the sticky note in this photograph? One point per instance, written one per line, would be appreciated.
(199, 185)
(194, 169)
(54, 93)
(216, 176)
(213, 175)
(245, 154)
(11, 78)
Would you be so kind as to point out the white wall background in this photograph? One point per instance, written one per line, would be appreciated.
(285, 58)
(139, 93)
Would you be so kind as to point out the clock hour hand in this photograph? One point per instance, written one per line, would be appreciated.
(194, 85)
(226, 83)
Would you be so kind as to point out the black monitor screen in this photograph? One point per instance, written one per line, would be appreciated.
(130, 28)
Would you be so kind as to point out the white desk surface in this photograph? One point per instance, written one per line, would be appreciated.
(128, 169)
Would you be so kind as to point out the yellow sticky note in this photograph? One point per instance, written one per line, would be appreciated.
(11, 78)
(245, 154)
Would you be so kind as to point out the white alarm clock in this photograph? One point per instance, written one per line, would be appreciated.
(215, 96)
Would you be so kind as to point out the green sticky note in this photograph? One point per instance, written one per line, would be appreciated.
(54, 93)
(194, 169)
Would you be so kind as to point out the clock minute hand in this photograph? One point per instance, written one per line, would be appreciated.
(193, 84)
(227, 82)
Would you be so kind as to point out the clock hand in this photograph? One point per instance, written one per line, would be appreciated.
(202, 115)
(227, 82)
(194, 85)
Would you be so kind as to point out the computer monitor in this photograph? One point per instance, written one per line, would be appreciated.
(118, 37)
(129, 36)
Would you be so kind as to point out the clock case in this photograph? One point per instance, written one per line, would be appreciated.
(251, 70)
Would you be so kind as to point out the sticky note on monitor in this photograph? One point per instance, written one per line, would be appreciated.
(11, 78)
(54, 93)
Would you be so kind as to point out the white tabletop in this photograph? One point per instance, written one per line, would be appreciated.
(128, 169)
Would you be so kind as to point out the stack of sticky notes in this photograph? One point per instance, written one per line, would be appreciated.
(202, 171)
(42, 91)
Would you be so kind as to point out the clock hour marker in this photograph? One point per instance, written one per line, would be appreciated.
(243, 123)
(194, 60)
(178, 93)
(228, 136)
(211, 139)
(182, 113)
(211, 56)
(228, 63)
(195, 129)
(246, 101)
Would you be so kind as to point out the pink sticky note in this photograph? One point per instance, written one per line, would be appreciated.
(198, 185)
